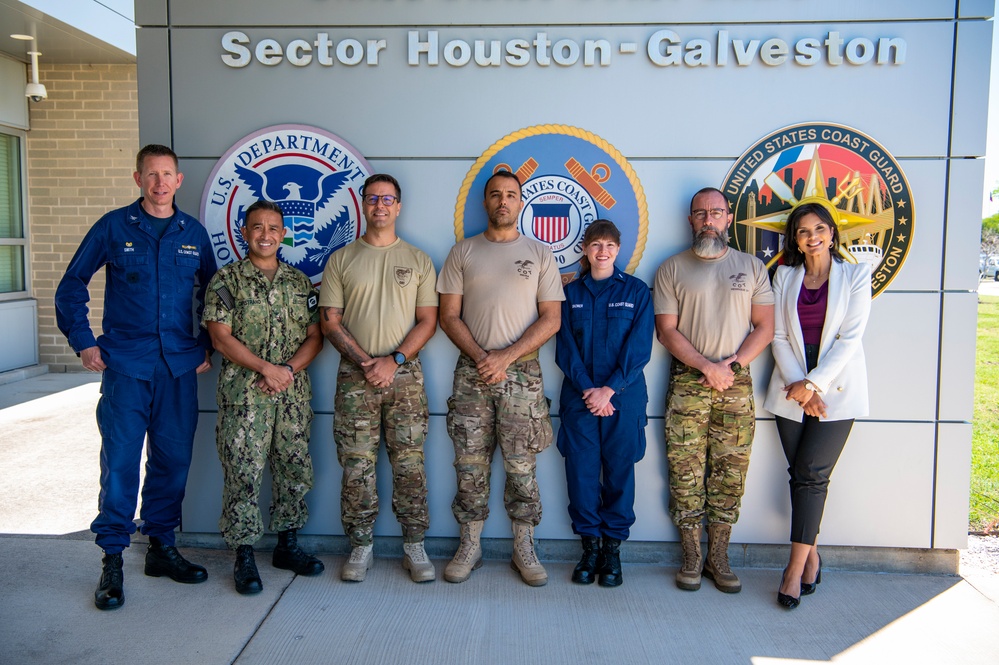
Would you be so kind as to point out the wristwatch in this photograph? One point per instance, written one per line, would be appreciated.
(290, 368)
(810, 386)
(736, 367)
(399, 357)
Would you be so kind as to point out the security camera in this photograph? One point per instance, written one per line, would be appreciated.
(36, 91)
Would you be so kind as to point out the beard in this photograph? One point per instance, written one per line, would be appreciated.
(709, 243)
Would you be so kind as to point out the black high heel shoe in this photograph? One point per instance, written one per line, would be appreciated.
(784, 600)
(809, 588)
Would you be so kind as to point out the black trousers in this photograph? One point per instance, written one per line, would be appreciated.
(812, 448)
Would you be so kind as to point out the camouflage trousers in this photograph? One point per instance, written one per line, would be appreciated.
(513, 414)
(247, 437)
(361, 411)
(709, 435)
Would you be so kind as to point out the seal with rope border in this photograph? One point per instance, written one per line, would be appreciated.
(838, 167)
(569, 177)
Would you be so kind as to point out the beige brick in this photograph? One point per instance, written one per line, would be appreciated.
(89, 119)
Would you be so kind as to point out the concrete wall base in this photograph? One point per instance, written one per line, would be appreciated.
(855, 559)
(22, 373)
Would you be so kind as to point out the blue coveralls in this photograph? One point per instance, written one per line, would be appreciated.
(605, 340)
(151, 346)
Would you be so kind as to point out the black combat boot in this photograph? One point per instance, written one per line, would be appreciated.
(110, 593)
(586, 570)
(289, 556)
(166, 560)
(244, 572)
(610, 565)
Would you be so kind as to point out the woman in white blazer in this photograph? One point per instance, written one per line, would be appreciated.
(819, 384)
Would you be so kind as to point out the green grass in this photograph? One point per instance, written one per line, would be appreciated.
(984, 513)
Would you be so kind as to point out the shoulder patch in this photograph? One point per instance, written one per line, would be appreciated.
(225, 297)
(313, 301)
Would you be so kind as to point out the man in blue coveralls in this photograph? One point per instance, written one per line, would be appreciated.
(157, 259)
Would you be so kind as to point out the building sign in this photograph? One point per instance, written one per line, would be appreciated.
(838, 167)
(569, 178)
(664, 48)
(314, 176)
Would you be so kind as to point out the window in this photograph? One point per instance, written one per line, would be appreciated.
(12, 240)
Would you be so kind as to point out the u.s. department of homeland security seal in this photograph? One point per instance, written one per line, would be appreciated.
(313, 175)
(839, 167)
(569, 179)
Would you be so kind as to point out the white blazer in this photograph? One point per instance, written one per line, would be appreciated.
(841, 375)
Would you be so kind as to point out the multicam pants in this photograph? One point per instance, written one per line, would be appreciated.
(360, 413)
(709, 436)
(247, 437)
(514, 414)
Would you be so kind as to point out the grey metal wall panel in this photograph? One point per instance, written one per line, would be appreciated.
(901, 344)
(882, 489)
(957, 356)
(686, 112)
(950, 510)
(971, 89)
(554, 12)
(150, 13)
(19, 328)
(964, 213)
(152, 53)
(976, 8)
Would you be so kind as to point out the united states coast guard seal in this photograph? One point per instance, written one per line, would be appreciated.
(838, 167)
(569, 178)
(314, 176)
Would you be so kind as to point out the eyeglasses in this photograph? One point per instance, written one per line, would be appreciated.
(386, 200)
(715, 213)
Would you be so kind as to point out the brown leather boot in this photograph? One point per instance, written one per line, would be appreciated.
(716, 565)
(688, 577)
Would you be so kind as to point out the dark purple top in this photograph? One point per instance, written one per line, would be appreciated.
(812, 312)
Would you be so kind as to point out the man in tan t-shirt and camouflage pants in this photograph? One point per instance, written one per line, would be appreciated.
(714, 314)
(379, 308)
(500, 295)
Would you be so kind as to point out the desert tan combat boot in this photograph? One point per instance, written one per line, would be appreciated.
(688, 577)
(525, 561)
(361, 558)
(716, 565)
(416, 561)
(469, 554)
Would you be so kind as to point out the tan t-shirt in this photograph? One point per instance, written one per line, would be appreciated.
(501, 284)
(379, 289)
(713, 298)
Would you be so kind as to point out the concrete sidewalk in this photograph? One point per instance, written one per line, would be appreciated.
(50, 567)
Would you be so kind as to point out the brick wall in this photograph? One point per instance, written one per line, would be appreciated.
(81, 155)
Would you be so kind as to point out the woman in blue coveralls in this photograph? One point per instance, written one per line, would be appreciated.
(603, 346)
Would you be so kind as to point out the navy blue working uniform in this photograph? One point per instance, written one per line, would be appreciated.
(605, 340)
(151, 345)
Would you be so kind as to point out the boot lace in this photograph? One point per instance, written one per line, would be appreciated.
(466, 547)
(359, 553)
(691, 557)
(415, 552)
(526, 550)
(719, 553)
